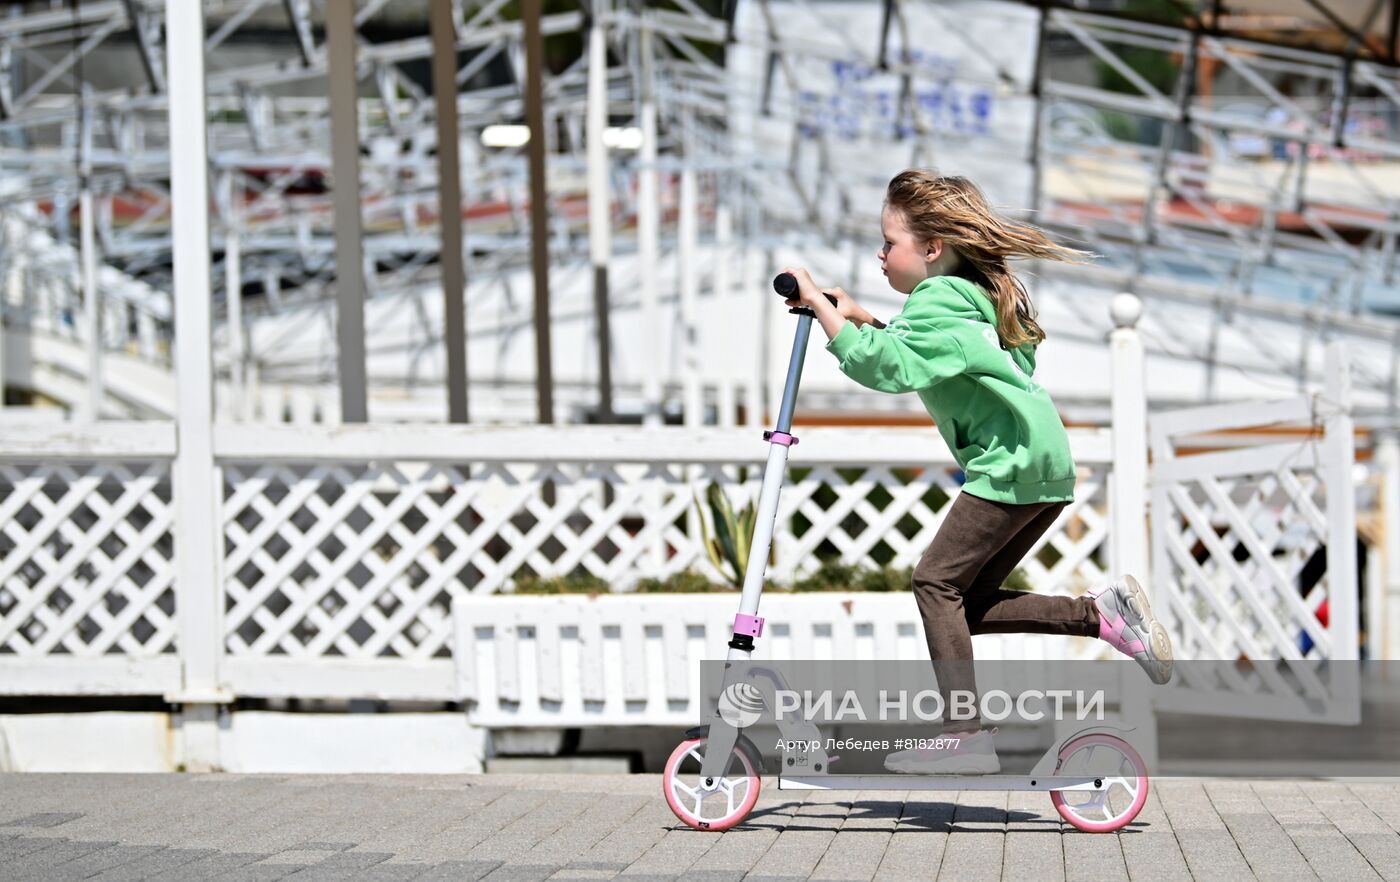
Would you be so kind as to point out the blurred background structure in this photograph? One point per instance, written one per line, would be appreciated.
(621, 181)
(1237, 162)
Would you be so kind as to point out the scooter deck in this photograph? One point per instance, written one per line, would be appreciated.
(937, 782)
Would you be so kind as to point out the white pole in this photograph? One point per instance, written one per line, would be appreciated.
(1128, 502)
(727, 376)
(648, 242)
(599, 202)
(197, 583)
(14, 285)
(648, 249)
(755, 366)
(690, 361)
(146, 335)
(692, 401)
(233, 289)
(87, 243)
(251, 401)
(1385, 620)
(1127, 485)
(1339, 457)
(1339, 444)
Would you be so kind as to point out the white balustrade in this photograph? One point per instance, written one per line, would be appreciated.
(343, 547)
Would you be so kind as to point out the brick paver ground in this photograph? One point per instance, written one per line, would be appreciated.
(527, 827)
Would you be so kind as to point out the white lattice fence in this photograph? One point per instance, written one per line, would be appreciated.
(884, 515)
(1249, 545)
(1226, 536)
(343, 548)
(353, 561)
(86, 574)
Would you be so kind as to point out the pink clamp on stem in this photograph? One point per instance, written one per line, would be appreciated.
(750, 625)
(782, 438)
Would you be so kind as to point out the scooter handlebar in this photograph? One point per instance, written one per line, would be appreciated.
(786, 286)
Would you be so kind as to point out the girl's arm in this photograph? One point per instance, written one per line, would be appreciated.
(916, 355)
(830, 318)
(847, 306)
(868, 320)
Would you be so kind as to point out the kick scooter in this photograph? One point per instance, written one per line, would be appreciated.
(1096, 780)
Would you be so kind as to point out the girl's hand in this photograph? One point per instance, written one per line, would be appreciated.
(808, 294)
(845, 304)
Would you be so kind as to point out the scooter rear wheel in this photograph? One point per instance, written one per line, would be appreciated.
(1124, 776)
(726, 802)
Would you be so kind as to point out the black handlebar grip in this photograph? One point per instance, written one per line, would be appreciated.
(786, 286)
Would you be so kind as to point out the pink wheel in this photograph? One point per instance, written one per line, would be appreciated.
(1124, 775)
(728, 799)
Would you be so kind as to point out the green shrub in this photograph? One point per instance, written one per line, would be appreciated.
(835, 576)
(686, 581)
(574, 583)
(690, 582)
(1018, 581)
(885, 579)
(832, 575)
(727, 542)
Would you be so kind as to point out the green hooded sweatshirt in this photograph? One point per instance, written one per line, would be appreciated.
(1002, 428)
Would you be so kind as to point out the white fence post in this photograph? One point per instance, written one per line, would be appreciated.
(649, 240)
(1128, 481)
(720, 298)
(198, 590)
(688, 286)
(15, 295)
(1384, 625)
(1340, 455)
(87, 268)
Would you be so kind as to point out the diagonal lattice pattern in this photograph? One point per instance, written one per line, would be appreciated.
(1238, 549)
(86, 554)
(362, 560)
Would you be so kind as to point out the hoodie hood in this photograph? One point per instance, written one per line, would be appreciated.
(965, 299)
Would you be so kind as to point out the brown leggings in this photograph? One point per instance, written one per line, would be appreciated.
(958, 586)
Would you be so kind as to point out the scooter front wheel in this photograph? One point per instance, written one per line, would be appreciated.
(716, 804)
(1122, 772)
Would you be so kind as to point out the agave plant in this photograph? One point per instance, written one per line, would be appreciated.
(729, 542)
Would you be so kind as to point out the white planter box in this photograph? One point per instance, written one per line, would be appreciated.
(631, 659)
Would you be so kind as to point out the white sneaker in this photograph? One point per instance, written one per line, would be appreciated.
(1126, 623)
(966, 754)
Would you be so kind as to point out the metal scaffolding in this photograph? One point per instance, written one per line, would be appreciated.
(1241, 156)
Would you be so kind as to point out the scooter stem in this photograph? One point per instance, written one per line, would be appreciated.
(747, 624)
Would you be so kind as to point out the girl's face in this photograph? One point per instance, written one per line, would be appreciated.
(904, 259)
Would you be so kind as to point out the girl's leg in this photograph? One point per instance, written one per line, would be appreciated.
(974, 533)
(991, 609)
(1119, 613)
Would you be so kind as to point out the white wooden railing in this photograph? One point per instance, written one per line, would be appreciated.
(344, 547)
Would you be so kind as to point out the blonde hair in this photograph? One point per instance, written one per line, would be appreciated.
(953, 209)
